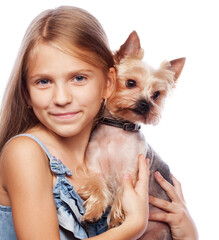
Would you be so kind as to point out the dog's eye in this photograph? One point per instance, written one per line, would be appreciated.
(130, 83)
(156, 95)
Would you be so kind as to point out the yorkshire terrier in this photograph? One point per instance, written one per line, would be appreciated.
(117, 141)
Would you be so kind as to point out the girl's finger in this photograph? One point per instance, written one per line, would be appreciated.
(162, 204)
(162, 217)
(178, 187)
(143, 176)
(169, 188)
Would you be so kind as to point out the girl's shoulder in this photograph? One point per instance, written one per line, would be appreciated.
(23, 156)
(21, 147)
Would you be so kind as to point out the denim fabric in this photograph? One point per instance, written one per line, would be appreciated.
(69, 207)
(6, 224)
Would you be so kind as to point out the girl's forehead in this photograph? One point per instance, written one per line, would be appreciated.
(41, 48)
(43, 51)
(47, 60)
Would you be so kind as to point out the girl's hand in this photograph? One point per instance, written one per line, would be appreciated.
(135, 198)
(177, 214)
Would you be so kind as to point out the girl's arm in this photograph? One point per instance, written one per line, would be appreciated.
(177, 214)
(28, 180)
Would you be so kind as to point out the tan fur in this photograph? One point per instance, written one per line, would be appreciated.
(113, 151)
(99, 200)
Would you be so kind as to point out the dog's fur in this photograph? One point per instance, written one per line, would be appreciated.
(139, 97)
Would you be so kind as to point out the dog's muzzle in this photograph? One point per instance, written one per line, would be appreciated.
(142, 107)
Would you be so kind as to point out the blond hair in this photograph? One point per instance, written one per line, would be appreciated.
(70, 29)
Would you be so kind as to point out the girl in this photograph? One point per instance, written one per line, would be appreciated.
(62, 75)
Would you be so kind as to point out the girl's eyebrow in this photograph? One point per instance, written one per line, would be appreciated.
(38, 76)
(80, 71)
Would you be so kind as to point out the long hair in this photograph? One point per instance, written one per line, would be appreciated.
(70, 29)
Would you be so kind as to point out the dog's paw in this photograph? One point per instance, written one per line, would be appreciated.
(116, 220)
(93, 215)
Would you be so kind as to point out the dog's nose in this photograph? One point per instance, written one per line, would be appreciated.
(143, 106)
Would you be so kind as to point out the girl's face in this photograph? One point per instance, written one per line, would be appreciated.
(65, 92)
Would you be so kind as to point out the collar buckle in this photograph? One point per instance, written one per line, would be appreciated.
(131, 127)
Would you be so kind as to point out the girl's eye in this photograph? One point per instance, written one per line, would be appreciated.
(130, 83)
(43, 82)
(79, 79)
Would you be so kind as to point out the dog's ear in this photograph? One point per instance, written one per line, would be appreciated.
(177, 66)
(131, 48)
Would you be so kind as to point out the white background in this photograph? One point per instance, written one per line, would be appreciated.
(187, 136)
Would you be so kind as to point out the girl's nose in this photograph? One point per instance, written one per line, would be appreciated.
(62, 95)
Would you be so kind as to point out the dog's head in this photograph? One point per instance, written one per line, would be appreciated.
(141, 90)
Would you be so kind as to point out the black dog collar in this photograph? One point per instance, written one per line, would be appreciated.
(125, 125)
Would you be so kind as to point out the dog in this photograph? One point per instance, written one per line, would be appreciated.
(117, 141)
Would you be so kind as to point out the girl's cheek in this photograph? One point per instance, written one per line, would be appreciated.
(40, 100)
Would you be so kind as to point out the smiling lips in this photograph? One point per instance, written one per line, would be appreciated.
(67, 115)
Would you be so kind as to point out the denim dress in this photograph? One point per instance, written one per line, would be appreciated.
(69, 206)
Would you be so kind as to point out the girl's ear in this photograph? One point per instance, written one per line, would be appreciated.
(111, 83)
